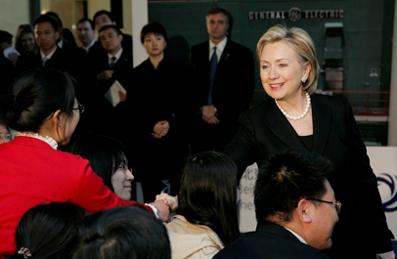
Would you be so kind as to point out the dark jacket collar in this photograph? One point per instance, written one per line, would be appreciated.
(279, 125)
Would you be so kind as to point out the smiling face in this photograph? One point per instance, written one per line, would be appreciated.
(281, 71)
(122, 182)
(324, 218)
(27, 42)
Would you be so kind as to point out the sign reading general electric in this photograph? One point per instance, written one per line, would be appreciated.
(295, 14)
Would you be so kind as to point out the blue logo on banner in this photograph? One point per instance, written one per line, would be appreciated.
(388, 182)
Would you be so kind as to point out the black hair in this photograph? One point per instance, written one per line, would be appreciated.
(5, 36)
(153, 27)
(208, 194)
(37, 94)
(83, 20)
(56, 17)
(128, 232)
(44, 18)
(285, 179)
(6, 104)
(103, 12)
(50, 231)
(105, 154)
(110, 26)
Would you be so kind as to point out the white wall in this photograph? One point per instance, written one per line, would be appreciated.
(12, 14)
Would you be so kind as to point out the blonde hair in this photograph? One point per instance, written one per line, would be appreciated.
(301, 42)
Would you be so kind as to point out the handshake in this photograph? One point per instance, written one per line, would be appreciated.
(163, 204)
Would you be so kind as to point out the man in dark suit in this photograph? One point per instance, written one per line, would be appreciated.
(50, 55)
(111, 68)
(102, 18)
(296, 210)
(224, 72)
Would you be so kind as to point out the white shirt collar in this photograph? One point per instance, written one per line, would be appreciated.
(219, 48)
(87, 48)
(118, 54)
(49, 55)
(296, 235)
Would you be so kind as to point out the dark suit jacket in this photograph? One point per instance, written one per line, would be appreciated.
(265, 131)
(72, 60)
(102, 117)
(232, 90)
(97, 49)
(269, 241)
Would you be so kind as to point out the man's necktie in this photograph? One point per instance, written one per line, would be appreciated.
(213, 65)
(112, 62)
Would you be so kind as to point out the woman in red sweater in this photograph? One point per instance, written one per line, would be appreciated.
(32, 170)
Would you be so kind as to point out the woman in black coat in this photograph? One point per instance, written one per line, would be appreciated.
(295, 117)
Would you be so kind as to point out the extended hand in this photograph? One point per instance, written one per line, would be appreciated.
(387, 255)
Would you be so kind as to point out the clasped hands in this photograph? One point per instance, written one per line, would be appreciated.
(165, 203)
(161, 129)
(208, 114)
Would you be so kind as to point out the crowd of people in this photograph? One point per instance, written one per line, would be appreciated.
(79, 126)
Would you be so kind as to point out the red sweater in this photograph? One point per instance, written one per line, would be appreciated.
(32, 173)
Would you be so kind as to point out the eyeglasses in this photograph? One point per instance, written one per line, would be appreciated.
(337, 204)
(79, 108)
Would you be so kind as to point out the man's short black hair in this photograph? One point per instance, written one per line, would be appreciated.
(103, 12)
(5, 36)
(285, 179)
(110, 26)
(47, 18)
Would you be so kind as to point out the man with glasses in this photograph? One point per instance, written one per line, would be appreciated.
(296, 210)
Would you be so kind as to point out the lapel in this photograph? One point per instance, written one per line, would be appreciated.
(322, 119)
(55, 60)
(280, 126)
(226, 52)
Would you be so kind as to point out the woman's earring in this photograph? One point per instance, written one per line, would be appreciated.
(303, 80)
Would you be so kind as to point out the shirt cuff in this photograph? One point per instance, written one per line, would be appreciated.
(154, 209)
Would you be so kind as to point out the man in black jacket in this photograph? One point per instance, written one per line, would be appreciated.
(296, 210)
(224, 83)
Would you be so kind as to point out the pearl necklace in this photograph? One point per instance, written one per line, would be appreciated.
(50, 141)
(298, 117)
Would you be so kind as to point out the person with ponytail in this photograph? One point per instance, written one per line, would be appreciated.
(33, 171)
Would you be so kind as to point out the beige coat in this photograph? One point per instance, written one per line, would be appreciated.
(192, 241)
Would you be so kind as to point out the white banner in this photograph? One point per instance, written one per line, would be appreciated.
(384, 164)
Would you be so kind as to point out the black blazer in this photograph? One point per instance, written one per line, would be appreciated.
(362, 224)
(232, 90)
(269, 241)
(234, 78)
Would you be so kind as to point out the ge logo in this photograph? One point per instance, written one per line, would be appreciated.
(294, 14)
(388, 192)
